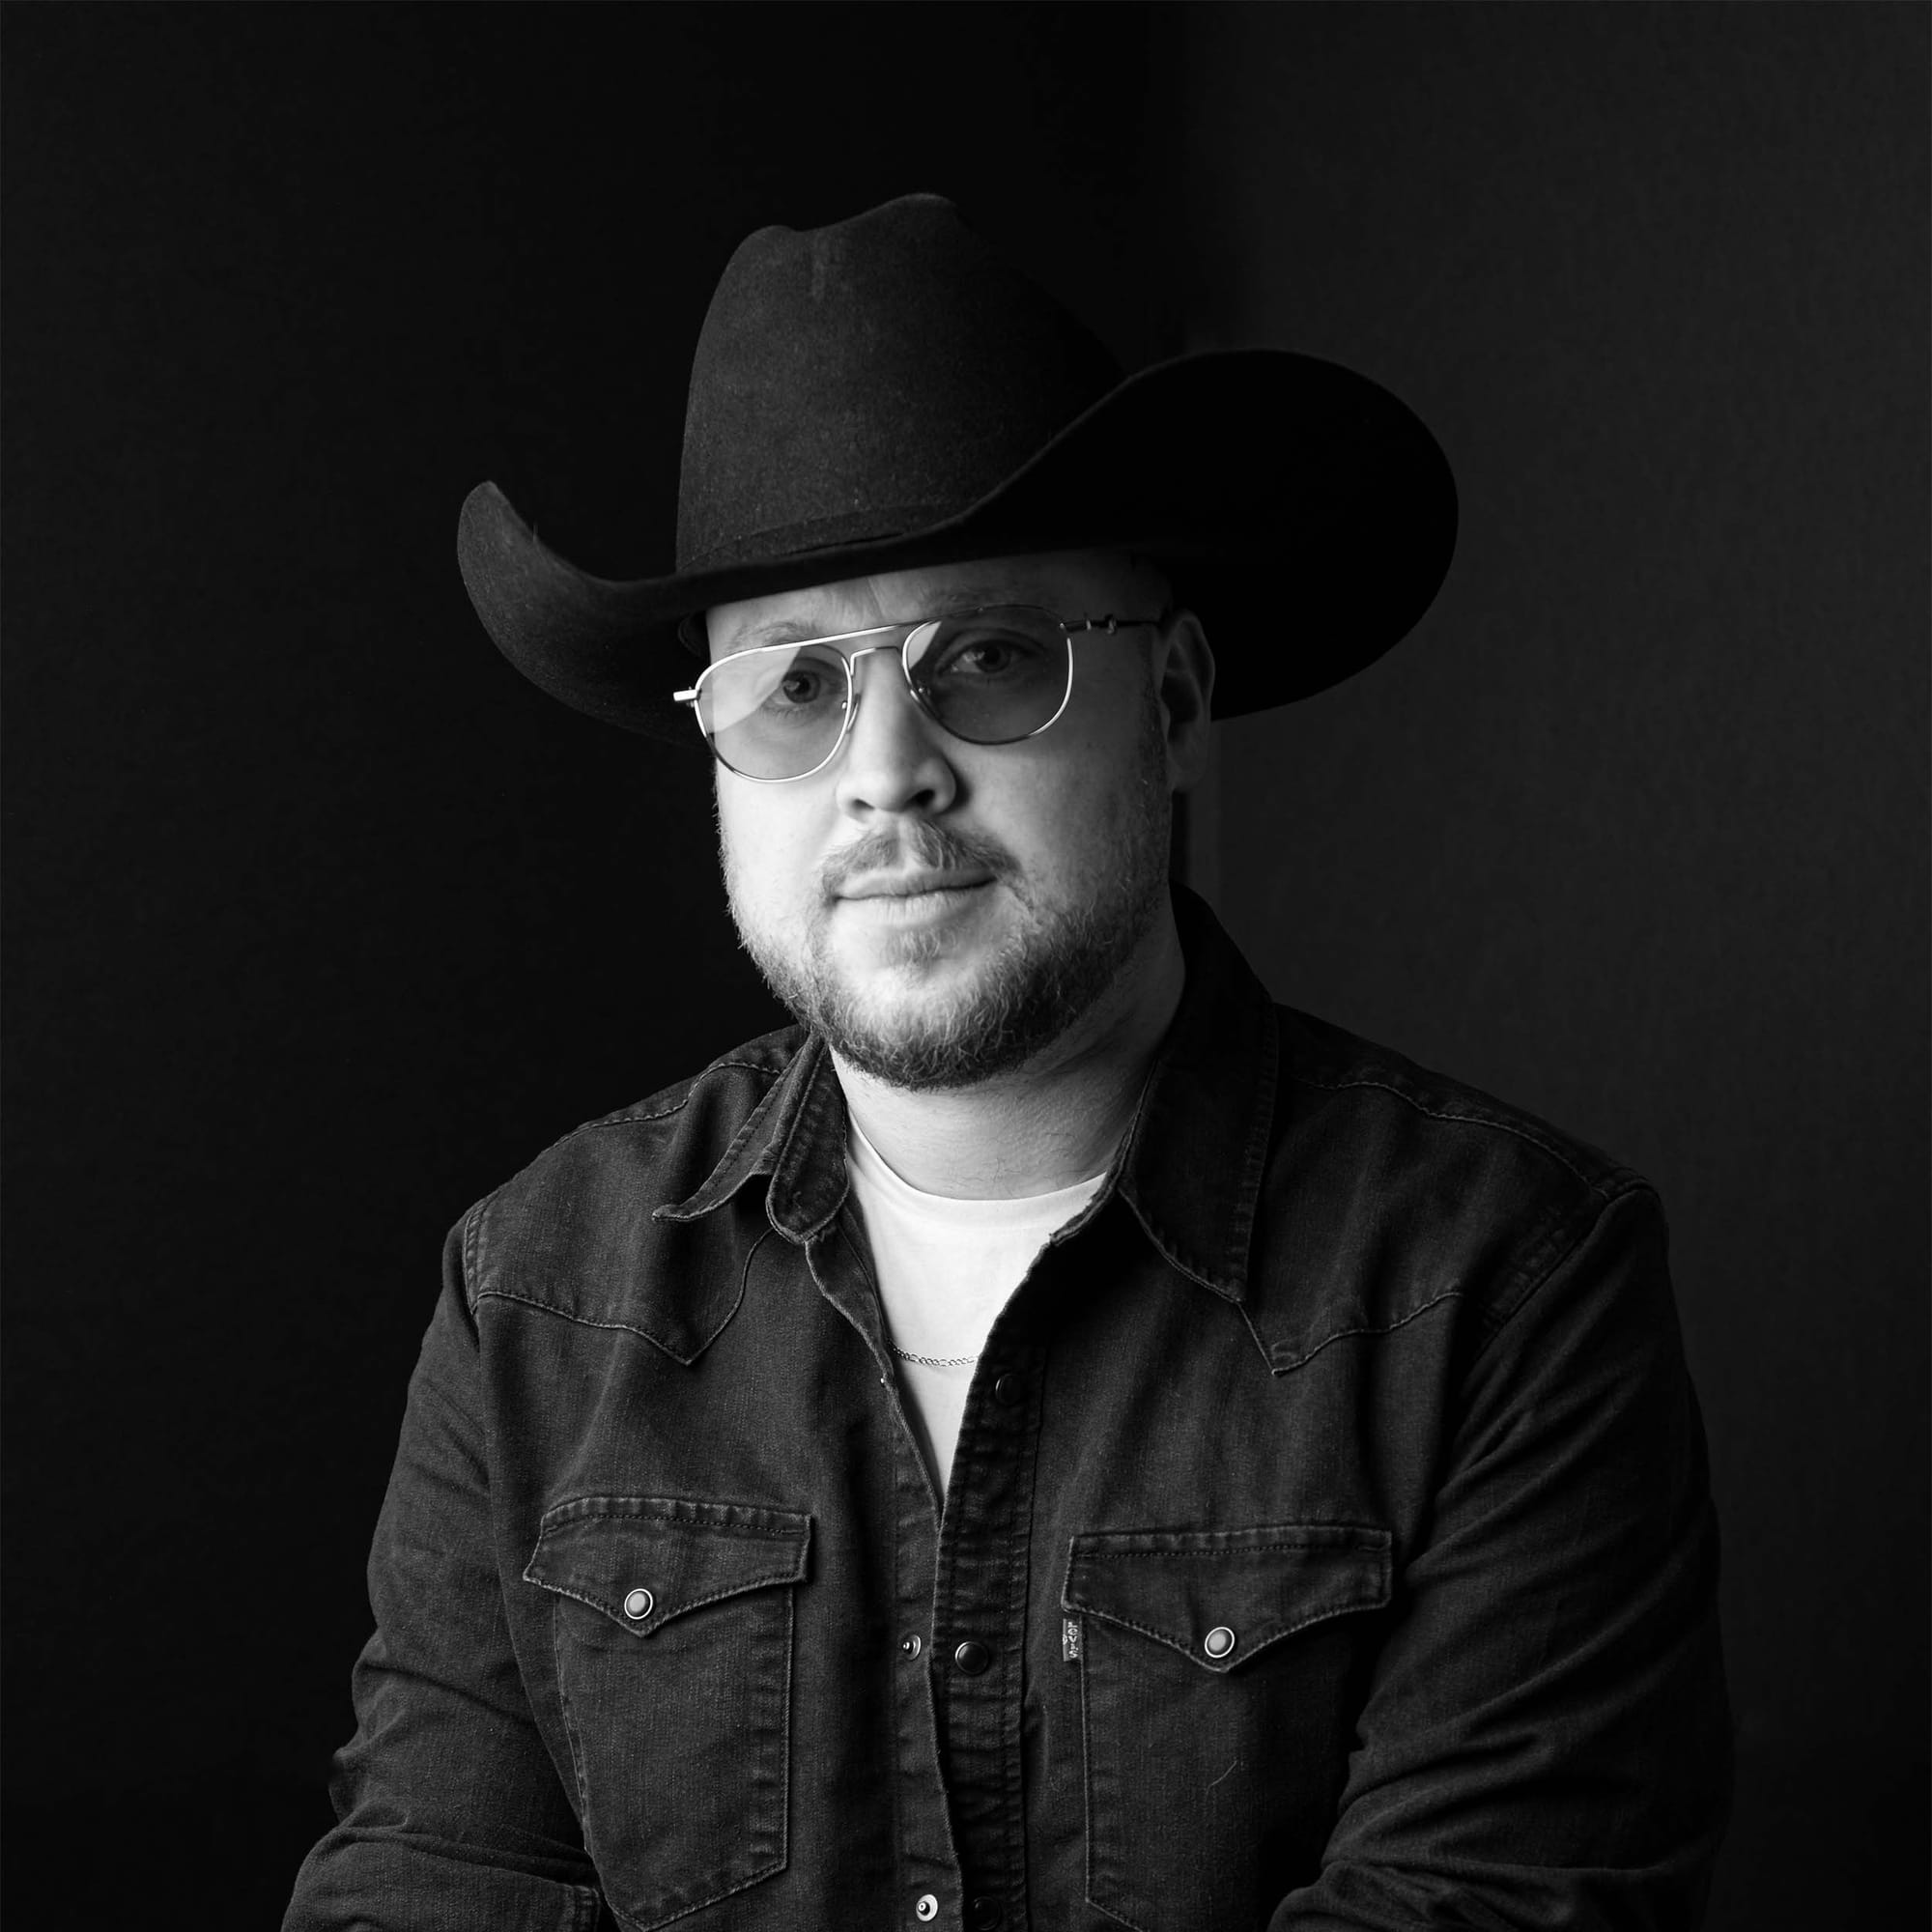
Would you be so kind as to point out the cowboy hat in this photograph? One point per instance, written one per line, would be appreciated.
(890, 392)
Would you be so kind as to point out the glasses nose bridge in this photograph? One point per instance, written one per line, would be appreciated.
(872, 651)
(907, 632)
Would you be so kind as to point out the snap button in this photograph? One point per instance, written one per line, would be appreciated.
(983, 1914)
(911, 1643)
(1218, 1641)
(971, 1656)
(927, 1906)
(1009, 1390)
(638, 1605)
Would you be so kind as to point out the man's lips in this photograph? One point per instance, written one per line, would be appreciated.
(911, 885)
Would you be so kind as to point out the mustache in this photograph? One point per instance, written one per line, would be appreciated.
(916, 846)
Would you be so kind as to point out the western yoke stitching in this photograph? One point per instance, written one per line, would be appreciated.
(1531, 1137)
(564, 1314)
(1284, 1368)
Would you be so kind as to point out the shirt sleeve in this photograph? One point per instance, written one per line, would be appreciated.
(1546, 1739)
(451, 1814)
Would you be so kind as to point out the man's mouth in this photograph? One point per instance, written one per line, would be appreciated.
(912, 885)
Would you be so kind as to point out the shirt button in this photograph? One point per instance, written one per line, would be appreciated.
(1009, 1390)
(927, 1906)
(911, 1643)
(983, 1914)
(971, 1656)
(1218, 1641)
(638, 1604)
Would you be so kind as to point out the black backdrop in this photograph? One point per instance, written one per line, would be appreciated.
(1636, 832)
(319, 922)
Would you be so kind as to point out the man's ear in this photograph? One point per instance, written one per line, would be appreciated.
(1183, 674)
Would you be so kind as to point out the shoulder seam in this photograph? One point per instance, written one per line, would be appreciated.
(472, 1244)
(1634, 1185)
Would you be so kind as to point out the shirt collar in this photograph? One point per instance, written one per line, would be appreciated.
(803, 1107)
(1197, 1150)
(1191, 1164)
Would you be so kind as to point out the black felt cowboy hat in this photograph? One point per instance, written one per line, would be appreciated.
(890, 392)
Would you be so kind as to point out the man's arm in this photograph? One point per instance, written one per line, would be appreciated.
(451, 1814)
(1547, 1738)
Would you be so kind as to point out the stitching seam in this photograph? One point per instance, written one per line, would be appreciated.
(1354, 1602)
(564, 1315)
(1559, 1261)
(1207, 1555)
(1280, 1368)
(748, 1529)
(669, 1616)
(570, 1728)
(1522, 1133)
(472, 1248)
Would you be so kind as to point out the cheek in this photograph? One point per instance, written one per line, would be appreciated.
(1082, 798)
(761, 844)
(1062, 825)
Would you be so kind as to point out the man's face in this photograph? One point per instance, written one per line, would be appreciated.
(944, 911)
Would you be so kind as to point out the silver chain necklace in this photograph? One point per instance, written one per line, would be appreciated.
(933, 1361)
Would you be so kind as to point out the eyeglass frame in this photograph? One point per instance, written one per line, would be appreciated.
(1109, 624)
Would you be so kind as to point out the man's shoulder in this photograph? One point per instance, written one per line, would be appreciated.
(1332, 1075)
(1392, 1187)
(578, 1224)
(691, 1116)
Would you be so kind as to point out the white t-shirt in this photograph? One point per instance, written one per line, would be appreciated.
(946, 1268)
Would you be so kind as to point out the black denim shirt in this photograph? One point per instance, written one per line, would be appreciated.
(1328, 1542)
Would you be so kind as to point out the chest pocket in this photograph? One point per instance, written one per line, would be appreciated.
(1220, 1675)
(672, 1629)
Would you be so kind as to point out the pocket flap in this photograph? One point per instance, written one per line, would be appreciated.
(1222, 1596)
(644, 1560)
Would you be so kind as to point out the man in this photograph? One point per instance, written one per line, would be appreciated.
(1053, 1440)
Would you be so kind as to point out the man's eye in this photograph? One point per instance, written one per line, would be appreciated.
(802, 686)
(982, 654)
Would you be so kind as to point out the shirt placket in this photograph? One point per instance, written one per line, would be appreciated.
(928, 1866)
(978, 1620)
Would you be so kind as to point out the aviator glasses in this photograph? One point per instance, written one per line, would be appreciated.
(991, 676)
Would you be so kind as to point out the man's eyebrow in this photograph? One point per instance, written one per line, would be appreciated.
(789, 631)
(958, 597)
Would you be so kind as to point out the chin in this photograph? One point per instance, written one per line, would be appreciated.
(878, 964)
(909, 1005)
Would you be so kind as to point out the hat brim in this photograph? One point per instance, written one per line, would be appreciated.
(1305, 514)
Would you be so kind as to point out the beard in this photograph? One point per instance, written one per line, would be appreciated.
(1048, 971)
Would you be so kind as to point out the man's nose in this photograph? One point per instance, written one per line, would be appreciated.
(895, 757)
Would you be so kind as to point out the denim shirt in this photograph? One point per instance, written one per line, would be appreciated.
(1328, 1542)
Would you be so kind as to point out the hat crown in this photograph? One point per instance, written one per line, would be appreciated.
(866, 379)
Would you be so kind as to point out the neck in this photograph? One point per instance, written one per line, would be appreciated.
(1049, 1124)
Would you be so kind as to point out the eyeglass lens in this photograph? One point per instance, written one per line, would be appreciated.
(989, 678)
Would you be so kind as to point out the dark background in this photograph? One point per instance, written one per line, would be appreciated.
(320, 921)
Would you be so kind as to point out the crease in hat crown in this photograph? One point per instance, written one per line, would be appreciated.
(855, 382)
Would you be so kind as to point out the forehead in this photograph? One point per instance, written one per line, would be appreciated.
(1069, 584)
